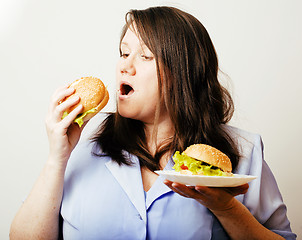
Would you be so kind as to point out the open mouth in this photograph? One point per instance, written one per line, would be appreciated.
(126, 89)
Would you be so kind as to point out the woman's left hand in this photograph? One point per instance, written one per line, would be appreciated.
(214, 198)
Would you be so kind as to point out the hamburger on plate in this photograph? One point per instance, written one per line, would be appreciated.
(202, 159)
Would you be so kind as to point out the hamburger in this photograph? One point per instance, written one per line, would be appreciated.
(202, 159)
(93, 96)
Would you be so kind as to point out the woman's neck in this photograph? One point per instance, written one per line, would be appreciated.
(158, 134)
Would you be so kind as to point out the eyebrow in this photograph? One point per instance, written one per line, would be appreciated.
(143, 45)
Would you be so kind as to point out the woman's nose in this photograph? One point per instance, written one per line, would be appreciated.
(127, 66)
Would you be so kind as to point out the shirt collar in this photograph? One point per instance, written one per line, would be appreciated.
(130, 179)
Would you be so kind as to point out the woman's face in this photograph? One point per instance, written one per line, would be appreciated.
(137, 80)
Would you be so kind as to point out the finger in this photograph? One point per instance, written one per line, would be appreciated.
(210, 192)
(187, 191)
(61, 88)
(64, 106)
(242, 189)
(170, 185)
(74, 126)
(60, 94)
(68, 120)
(203, 190)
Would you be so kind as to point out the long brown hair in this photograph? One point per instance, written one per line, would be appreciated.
(187, 68)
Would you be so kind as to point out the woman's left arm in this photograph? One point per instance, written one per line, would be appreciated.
(235, 218)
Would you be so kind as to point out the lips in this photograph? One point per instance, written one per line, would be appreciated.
(126, 90)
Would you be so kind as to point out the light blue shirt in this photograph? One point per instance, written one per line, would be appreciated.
(103, 200)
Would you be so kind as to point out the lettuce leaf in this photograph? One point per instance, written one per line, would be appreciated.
(80, 117)
(195, 166)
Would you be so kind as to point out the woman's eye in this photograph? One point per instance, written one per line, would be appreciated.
(124, 55)
(146, 57)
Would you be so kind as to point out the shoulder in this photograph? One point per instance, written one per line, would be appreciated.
(242, 137)
(83, 159)
(250, 147)
(84, 152)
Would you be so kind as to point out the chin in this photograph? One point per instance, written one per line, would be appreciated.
(126, 112)
(135, 115)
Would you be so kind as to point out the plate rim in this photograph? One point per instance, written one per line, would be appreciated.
(186, 178)
(171, 172)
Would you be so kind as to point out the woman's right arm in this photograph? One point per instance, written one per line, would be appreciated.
(38, 217)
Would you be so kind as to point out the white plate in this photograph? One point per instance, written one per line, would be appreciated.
(210, 181)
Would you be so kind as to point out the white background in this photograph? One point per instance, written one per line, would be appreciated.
(45, 44)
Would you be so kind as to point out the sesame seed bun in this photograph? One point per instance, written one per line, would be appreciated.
(210, 155)
(92, 93)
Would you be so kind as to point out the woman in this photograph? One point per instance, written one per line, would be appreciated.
(168, 98)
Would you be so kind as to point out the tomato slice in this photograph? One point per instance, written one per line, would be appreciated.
(183, 167)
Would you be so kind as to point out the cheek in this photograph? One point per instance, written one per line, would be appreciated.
(117, 73)
(150, 93)
(151, 83)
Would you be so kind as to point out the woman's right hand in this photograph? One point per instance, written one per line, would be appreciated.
(63, 134)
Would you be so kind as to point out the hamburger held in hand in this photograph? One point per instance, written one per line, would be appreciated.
(93, 96)
(202, 159)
